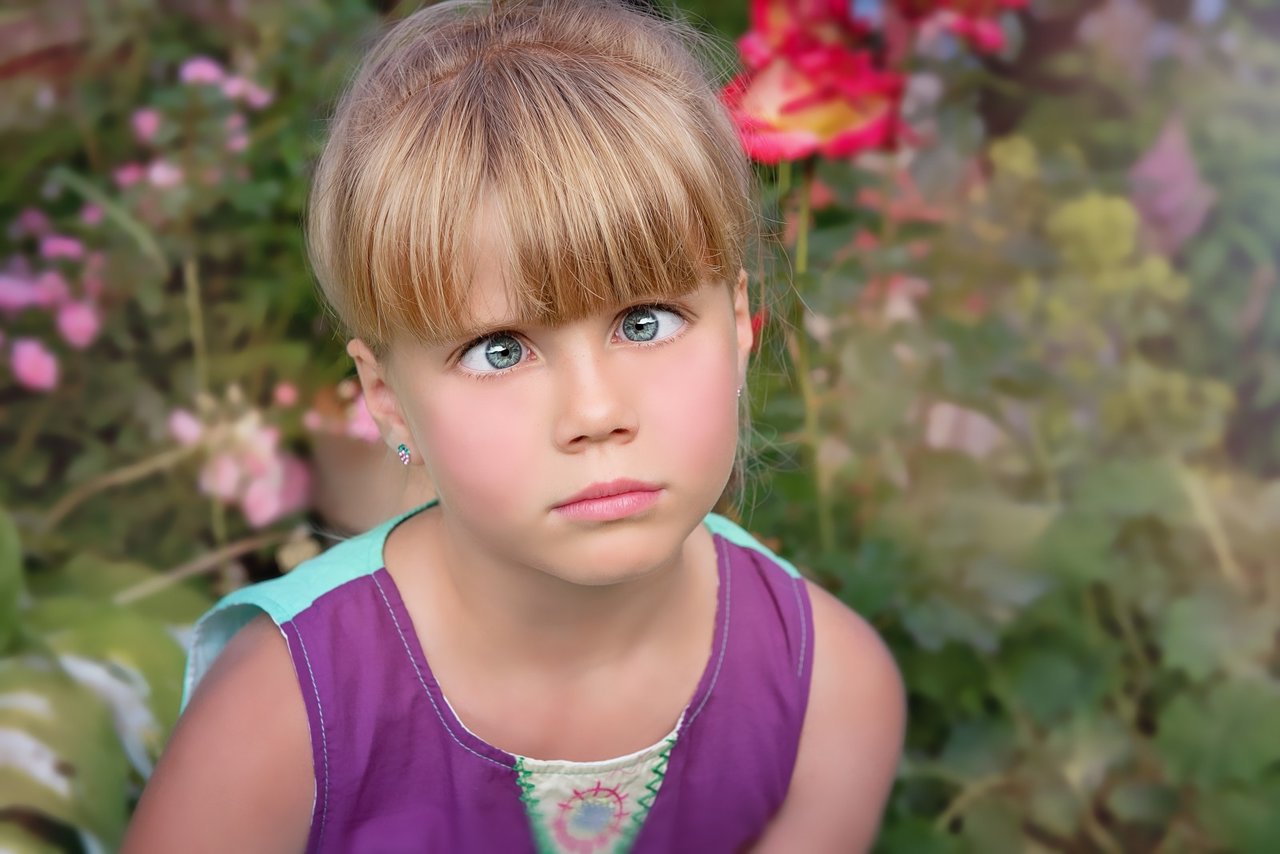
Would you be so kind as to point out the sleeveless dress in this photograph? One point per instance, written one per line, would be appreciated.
(396, 771)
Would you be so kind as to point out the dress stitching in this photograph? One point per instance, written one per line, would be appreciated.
(804, 625)
(423, 682)
(724, 634)
(324, 742)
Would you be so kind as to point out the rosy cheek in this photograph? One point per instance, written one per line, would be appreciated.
(692, 408)
(479, 446)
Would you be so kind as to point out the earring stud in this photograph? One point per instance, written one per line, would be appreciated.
(402, 451)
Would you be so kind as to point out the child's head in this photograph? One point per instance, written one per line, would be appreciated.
(532, 219)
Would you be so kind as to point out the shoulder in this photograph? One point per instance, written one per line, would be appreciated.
(852, 738)
(236, 774)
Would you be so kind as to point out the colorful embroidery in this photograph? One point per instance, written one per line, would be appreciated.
(603, 816)
(590, 820)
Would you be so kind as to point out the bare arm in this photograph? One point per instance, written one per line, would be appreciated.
(851, 742)
(236, 775)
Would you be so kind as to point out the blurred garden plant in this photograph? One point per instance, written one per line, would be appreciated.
(1007, 372)
(1017, 394)
(160, 348)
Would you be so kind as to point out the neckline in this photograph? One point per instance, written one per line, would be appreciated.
(473, 743)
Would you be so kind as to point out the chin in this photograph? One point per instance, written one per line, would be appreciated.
(615, 553)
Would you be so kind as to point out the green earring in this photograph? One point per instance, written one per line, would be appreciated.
(402, 451)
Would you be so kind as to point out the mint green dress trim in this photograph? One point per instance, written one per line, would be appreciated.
(737, 535)
(285, 597)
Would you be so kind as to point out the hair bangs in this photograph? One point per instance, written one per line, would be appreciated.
(576, 148)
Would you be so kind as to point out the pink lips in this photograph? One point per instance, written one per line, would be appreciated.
(604, 502)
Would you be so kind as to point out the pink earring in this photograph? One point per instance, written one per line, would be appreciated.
(402, 451)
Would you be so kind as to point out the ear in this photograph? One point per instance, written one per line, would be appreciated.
(742, 323)
(379, 396)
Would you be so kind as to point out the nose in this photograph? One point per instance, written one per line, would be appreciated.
(595, 404)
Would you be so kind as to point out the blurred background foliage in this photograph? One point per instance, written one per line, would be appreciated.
(1016, 399)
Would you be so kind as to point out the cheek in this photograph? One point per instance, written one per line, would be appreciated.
(693, 411)
(478, 449)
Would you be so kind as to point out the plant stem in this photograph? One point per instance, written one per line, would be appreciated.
(195, 318)
(115, 213)
(137, 471)
(1208, 518)
(204, 563)
(799, 346)
(784, 179)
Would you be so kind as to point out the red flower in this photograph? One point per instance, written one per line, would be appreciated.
(758, 320)
(975, 21)
(814, 84)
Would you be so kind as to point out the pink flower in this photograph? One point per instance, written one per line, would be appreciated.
(30, 221)
(234, 122)
(17, 293)
(184, 427)
(984, 35)
(130, 174)
(360, 424)
(313, 421)
(237, 143)
(256, 96)
(201, 70)
(145, 124)
(286, 394)
(52, 288)
(54, 246)
(234, 87)
(91, 214)
(975, 21)
(164, 174)
(220, 477)
(79, 323)
(1169, 191)
(279, 492)
(953, 428)
(33, 365)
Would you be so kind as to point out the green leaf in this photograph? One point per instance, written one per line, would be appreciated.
(979, 747)
(1132, 488)
(13, 837)
(1200, 634)
(993, 824)
(95, 577)
(1151, 804)
(10, 579)
(1244, 817)
(914, 835)
(936, 621)
(136, 666)
(1077, 547)
(64, 760)
(1054, 675)
(1228, 736)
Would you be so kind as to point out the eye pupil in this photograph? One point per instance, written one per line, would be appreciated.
(640, 325)
(503, 351)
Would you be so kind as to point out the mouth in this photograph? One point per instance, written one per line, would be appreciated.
(617, 499)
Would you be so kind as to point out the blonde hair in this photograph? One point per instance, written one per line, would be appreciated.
(594, 129)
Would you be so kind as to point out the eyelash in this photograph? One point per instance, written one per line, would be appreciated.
(678, 311)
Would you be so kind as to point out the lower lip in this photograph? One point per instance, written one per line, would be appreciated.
(610, 508)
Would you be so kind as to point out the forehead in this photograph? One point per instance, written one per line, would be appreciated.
(508, 283)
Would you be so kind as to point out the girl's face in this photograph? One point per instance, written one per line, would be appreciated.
(515, 422)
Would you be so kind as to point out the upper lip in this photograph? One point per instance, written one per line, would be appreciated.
(613, 487)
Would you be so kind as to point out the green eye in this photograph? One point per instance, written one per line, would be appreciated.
(650, 323)
(495, 353)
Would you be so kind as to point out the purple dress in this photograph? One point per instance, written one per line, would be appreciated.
(395, 770)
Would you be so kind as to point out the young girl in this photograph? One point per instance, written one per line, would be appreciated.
(532, 218)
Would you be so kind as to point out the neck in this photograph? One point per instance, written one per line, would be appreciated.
(513, 618)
